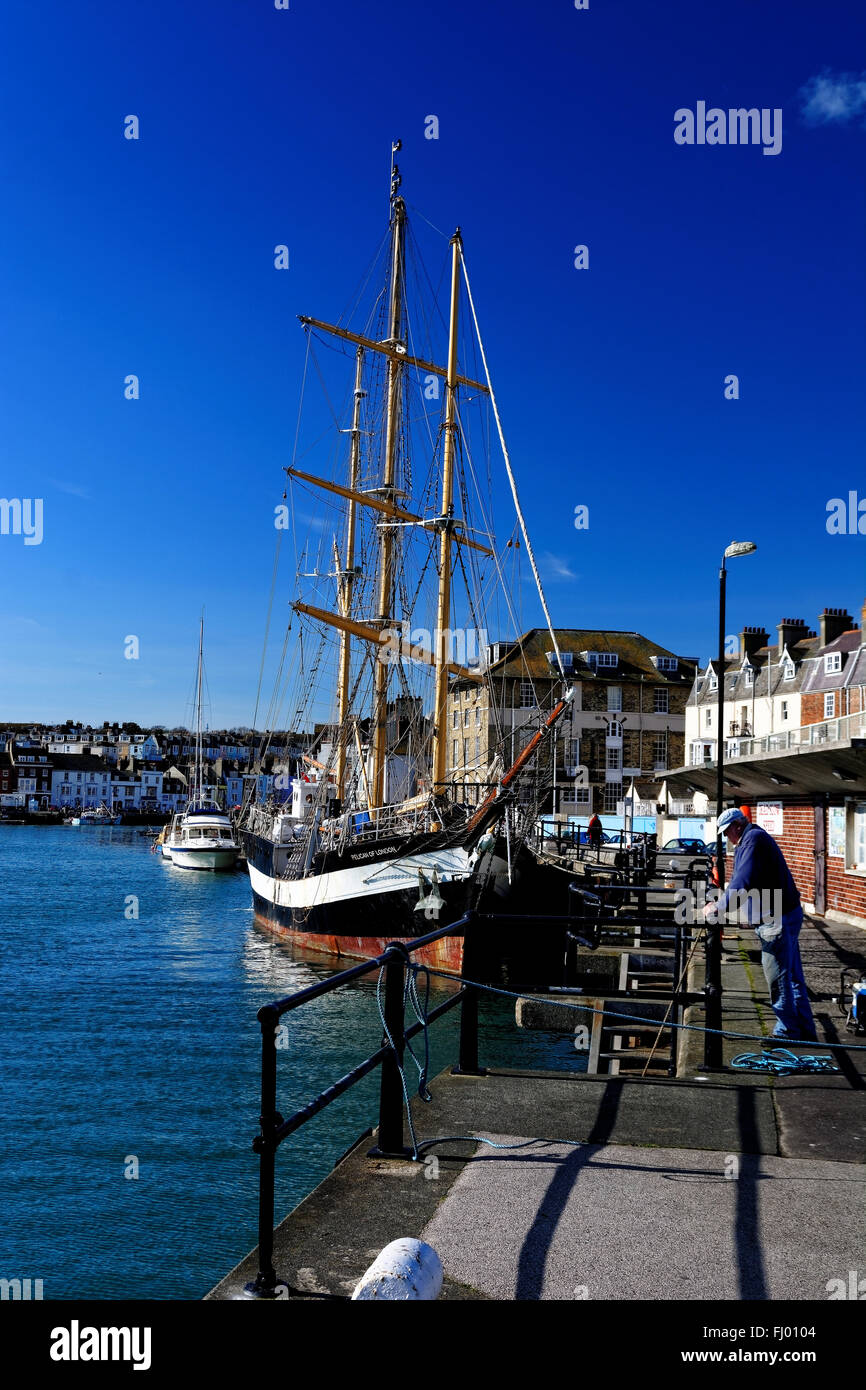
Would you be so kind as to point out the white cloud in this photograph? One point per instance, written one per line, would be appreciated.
(73, 489)
(557, 568)
(834, 98)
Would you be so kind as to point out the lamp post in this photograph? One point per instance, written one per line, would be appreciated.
(713, 991)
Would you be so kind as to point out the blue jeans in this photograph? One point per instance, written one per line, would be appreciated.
(783, 971)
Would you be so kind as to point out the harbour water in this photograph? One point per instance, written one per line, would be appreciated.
(130, 1044)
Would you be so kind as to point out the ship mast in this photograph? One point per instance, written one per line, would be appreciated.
(346, 581)
(387, 491)
(446, 523)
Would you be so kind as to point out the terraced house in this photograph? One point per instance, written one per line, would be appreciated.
(794, 738)
(627, 718)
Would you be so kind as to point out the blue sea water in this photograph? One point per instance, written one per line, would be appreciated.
(129, 1039)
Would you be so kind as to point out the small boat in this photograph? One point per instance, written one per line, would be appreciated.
(202, 836)
(98, 816)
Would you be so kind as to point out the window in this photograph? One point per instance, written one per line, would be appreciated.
(714, 684)
(660, 751)
(788, 671)
(454, 753)
(455, 719)
(784, 709)
(572, 752)
(855, 858)
(660, 701)
(477, 749)
(666, 663)
(830, 704)
(614, 729)
(750, 675)
(612, 795)
(709, 718)
(614, 697)
(614, 759)
(832, 663)
(478, 717)
(527, 695)
(466, 719)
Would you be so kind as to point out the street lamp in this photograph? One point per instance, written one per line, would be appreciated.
(713, 993)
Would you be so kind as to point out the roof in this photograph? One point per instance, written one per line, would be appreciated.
(79, 762)
(527, 656)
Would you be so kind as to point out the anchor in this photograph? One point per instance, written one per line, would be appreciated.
(430, 903)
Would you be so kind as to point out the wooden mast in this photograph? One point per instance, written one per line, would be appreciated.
(443, 613)
(347, 579)
(386, 533)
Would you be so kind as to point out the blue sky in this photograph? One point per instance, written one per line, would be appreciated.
(260, 127)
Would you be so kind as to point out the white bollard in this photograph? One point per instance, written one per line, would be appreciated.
(405, 1269)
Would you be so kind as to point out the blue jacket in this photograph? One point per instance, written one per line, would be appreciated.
(759, 863)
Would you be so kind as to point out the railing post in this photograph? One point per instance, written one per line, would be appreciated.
(390, 1137)
(676, 1002)
(467, 1056)
(265, 1284)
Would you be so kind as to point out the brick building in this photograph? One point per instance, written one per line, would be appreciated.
(626, 720)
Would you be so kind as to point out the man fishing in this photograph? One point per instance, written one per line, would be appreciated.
(760, 870)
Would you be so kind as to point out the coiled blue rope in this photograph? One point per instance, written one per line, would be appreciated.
(781, 1062)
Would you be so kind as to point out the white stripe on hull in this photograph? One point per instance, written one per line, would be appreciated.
(361, 880)
(204, 859)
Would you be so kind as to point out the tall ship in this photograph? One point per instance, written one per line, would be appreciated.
(202, 835)
(399, 576)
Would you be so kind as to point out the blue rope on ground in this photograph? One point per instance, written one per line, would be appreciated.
(781, 1062)
(630, 1018)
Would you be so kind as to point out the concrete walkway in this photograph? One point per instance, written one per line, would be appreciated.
(729, 1185)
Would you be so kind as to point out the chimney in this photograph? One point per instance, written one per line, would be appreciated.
(832, 623)
(751, 640)
(791, 630)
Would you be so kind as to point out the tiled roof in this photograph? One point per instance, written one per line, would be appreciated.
(527, 657)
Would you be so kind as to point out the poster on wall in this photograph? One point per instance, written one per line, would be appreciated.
(836, 832)
(768, 816)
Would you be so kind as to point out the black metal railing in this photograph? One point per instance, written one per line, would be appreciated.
(582, 926)
(274, 1128)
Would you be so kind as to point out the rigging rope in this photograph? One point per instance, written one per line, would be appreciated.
(527, 542)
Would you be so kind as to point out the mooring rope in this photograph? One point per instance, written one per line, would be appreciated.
(631, 1018)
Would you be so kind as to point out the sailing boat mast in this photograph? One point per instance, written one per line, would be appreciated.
(388, 491)
(197, 790)
(443, 610)
(347, 578)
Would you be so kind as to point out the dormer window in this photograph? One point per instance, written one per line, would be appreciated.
(749, 673)
(665, 663)
(788, 671)
(832, 663)
(714, 684)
